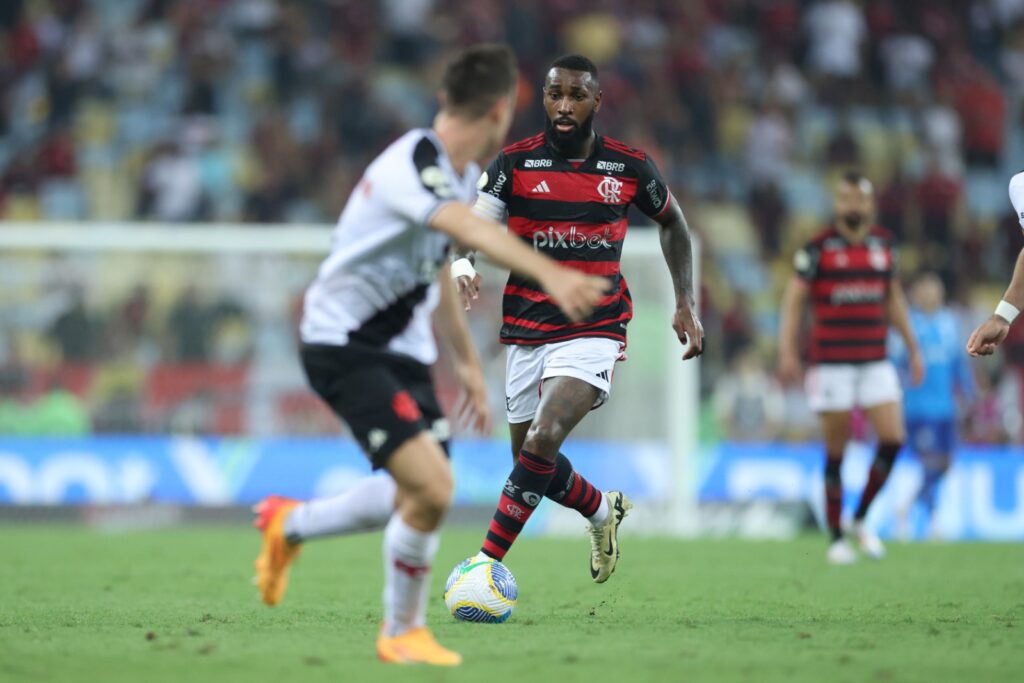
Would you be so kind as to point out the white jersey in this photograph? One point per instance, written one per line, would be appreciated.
(1017, 196)
(379, 286)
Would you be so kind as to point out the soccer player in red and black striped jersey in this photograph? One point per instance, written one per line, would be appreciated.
(566, 192)
(848, 272)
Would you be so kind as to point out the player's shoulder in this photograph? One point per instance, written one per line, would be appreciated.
(825, 238)
(882, 235)
(524, 147)
(410, 164)
(620, 150)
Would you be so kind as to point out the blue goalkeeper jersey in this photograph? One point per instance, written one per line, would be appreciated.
(946, 368)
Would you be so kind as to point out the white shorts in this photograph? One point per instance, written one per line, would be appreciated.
(839, 387)
(591, 359)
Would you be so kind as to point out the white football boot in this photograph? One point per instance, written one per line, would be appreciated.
(870, 544)
(841, 552)
(604, 539)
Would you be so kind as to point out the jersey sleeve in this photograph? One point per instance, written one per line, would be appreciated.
(652, 194)
(423, 188)
(494, 189)
(806, 260)
(1017, 196)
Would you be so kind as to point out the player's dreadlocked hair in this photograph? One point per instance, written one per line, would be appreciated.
(477, 77)
(575, 63)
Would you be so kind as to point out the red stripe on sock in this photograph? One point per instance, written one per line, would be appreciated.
(592, 509)
(572, 498)
(494, 551)
(499, 530)
(409, 569)
(536, 465)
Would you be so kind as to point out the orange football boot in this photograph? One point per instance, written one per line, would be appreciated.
(277, 553)
(416, 646)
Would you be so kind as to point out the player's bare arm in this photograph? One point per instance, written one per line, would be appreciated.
(450, 323)
(793, 301)
(575, 293)
(678, 250)
(991, 333)
(899, 317)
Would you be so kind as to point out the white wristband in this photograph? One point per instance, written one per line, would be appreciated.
(463, 268)
(1007, 311)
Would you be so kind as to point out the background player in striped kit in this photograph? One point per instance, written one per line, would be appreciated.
(991, 333)
(930, 408)
(848, 272)
(367, 343)
(566, 192)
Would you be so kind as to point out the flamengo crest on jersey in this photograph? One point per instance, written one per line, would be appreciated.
(574, 212)
(849, 286)
(378, 286)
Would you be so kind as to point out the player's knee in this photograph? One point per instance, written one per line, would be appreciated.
(544, 439)
(434, 500)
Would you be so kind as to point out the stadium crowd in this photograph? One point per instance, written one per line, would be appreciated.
(264, 111)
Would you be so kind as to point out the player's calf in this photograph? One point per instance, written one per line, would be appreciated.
(522, 493)
(570, 489)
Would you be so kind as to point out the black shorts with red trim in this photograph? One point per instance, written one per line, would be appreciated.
(384, 399)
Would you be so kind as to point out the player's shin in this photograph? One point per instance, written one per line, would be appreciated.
(523, 491)
(570, 489)
(408, 555)
(365, 506)
(885, 456)
(834, 494)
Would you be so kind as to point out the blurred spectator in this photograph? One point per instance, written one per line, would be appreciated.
(836, 31)
(748, 402)
(189, 327)
(74, 330)
(769, 146)
(171, 188)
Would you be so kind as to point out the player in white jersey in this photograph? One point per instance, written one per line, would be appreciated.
(991, 333)
(367, 343)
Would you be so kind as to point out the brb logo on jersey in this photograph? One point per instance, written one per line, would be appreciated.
(612, 166)
(570, 239)
(610, 190)
(537, 163)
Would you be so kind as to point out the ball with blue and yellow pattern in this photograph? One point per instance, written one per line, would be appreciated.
(481, 589)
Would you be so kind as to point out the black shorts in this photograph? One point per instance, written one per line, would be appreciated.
(385, 399)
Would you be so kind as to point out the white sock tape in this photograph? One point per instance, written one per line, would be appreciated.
(1007, 311)
(463, 267)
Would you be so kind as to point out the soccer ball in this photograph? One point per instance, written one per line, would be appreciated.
(481, 589)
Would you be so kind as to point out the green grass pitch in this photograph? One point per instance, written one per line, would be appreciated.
(177, 605)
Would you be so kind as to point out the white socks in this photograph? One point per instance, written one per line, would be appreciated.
(408, 554)
(599, 517)
(365, 506)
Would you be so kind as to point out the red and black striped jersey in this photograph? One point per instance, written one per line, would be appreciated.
(849, 285)
(574, 212)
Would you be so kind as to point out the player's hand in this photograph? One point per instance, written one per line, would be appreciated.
(789, 367)
(916, 368)
(989, 335)
(468, 289)
(575, 293)
(689, 330)
(473, 410)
